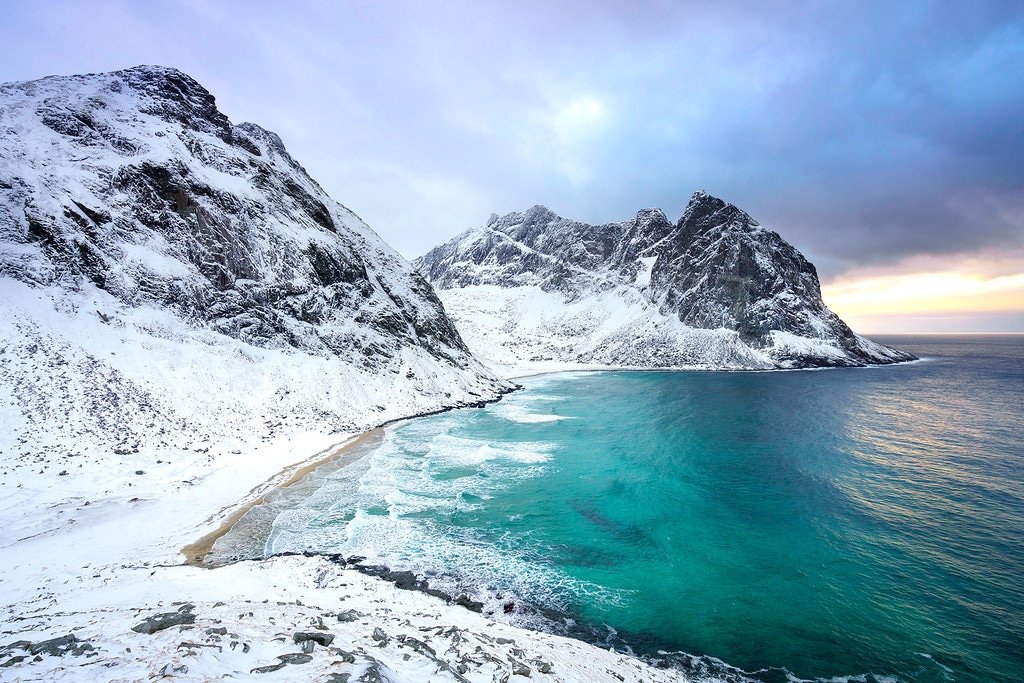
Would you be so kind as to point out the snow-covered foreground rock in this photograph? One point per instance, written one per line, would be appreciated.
(534, 291)
(249, 621)
(186, 319)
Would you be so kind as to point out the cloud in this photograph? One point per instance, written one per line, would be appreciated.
(948, 291)
(981, 291)
(581, 119)
(865, 133)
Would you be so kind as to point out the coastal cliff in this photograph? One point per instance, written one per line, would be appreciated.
(713, 290)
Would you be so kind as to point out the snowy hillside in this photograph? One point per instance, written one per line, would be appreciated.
(717, 290)
(174, 287)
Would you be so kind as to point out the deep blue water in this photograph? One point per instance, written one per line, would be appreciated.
(816, 524)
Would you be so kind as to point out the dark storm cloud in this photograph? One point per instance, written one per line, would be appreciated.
(882, 134)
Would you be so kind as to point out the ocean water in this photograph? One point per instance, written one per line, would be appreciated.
(837, 525)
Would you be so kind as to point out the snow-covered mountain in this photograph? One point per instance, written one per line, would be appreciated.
(170, 282)
(713, 290)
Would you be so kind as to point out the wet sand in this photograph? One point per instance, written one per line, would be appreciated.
(198, 553)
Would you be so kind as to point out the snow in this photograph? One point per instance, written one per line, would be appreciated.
(786, 343)
(130, 429)
(95, 551)
(525, 330)
(643, 275)
(261, 605)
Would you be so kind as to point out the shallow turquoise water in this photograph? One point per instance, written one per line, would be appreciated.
(828, 524)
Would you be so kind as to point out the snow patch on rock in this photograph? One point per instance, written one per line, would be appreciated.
(714, 290)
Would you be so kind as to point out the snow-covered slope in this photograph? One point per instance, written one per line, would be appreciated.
(174, 287)
(715, 289)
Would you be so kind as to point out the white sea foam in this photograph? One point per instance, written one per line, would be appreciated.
(531, 397)
(938, 663)
(446, 449)
(519, 413)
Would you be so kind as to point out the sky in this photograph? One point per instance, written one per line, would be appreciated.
(885, 140)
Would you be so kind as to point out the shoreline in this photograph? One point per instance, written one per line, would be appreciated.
(345, 453)
(524, 373)
(674, 663)
(198, 551)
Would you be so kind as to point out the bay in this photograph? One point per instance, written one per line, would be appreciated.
(827, 524)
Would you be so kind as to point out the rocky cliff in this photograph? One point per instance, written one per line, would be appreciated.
(712, 290)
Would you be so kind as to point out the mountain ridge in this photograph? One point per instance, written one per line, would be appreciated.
(171, 278)
(714, 271)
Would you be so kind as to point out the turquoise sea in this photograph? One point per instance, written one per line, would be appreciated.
(851, 524)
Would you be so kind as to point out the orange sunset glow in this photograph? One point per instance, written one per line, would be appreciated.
(890, 303)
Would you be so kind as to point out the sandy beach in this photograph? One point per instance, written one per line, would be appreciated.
(337, 456)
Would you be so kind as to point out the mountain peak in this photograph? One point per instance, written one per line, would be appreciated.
(540, 212)
(153, 71)
(76, 105)
(165, 79)
(705, 211)
(704, 200)
(651, 213)
(152, 79)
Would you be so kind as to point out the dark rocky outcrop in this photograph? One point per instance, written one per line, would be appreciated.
(715, 268)
(165, 620)
(53, 647)
(322, 639)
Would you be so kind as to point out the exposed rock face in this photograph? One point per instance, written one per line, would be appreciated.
(136, 219)
(136, 182)
(715, 289)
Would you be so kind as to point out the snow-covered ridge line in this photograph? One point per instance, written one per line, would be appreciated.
(715, 290)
